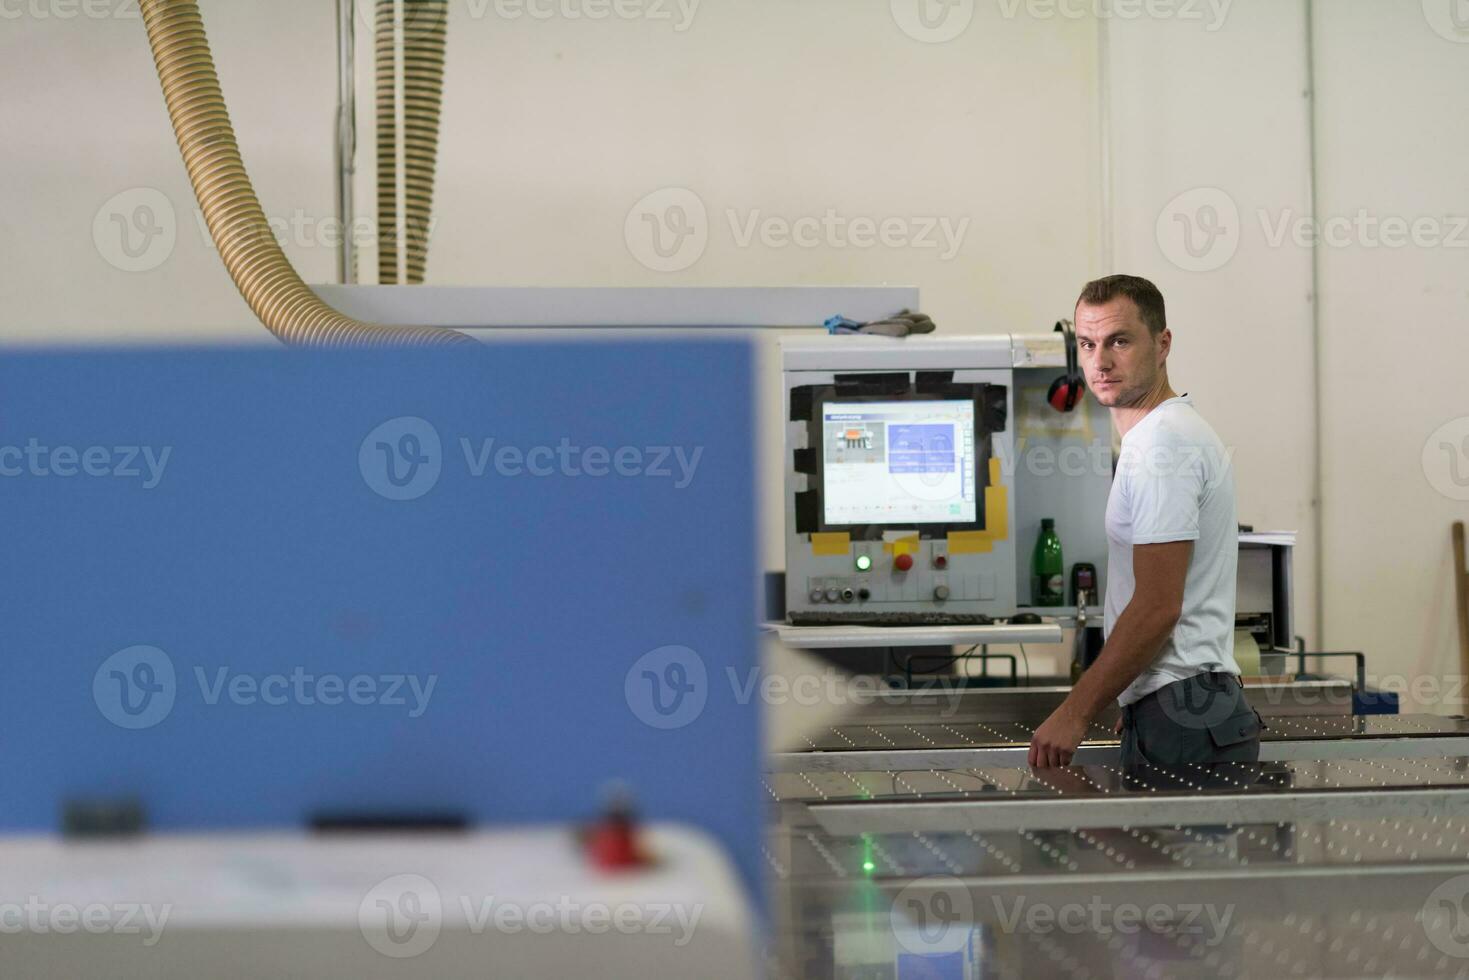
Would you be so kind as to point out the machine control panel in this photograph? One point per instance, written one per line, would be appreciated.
(875, 578)
(917, 471)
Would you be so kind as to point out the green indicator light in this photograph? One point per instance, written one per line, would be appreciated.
(864, 562)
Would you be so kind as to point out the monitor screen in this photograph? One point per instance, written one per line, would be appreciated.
(898, 462)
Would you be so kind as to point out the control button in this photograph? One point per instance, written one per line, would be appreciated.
(613, 843)
(940, 561)
(940, 592)
(903, 562)
(864, 594)
(832, 595)
(848, 595)
(864, 562)
(817, 595)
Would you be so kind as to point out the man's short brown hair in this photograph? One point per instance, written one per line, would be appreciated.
(1144, 295)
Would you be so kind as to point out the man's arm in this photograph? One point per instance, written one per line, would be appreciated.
(1160, 571)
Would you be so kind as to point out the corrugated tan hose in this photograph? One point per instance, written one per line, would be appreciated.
(265, 277)
(424, 31)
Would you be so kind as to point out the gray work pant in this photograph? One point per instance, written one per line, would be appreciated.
(1200, 720)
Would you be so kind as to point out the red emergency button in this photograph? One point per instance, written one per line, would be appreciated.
(612, 843)
(903, 562)
(613, 846)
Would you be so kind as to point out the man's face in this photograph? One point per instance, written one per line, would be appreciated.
(1119, 355)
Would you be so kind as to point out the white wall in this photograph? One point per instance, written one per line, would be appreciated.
(1395, 325)
(555, 129)
(1223, 114)
(1213, 114)
(83, 119)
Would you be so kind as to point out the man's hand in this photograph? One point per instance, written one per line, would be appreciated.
(1055, 741)
(1141, 630)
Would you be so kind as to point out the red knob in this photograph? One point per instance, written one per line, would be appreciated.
(903, 562)
(612, 845)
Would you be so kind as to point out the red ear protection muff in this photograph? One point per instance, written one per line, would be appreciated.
(1067, 391)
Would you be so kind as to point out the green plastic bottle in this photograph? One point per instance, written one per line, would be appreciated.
(1047, 569)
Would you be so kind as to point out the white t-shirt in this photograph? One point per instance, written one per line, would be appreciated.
(1174, 482)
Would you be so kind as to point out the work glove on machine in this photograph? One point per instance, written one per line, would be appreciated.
(899, 325)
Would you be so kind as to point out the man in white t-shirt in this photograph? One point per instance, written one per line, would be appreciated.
(1172, 549)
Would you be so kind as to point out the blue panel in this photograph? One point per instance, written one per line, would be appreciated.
(267, 558)
(930, 966)
(1371, 702)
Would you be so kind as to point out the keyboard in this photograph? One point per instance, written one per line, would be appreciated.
(859, 618)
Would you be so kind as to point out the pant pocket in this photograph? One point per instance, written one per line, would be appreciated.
(1237, 738)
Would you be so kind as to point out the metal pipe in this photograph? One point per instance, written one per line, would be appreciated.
(1104, 147)
(1101, 753)
(1137, 809)
(346, 138)
(1318, 520)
